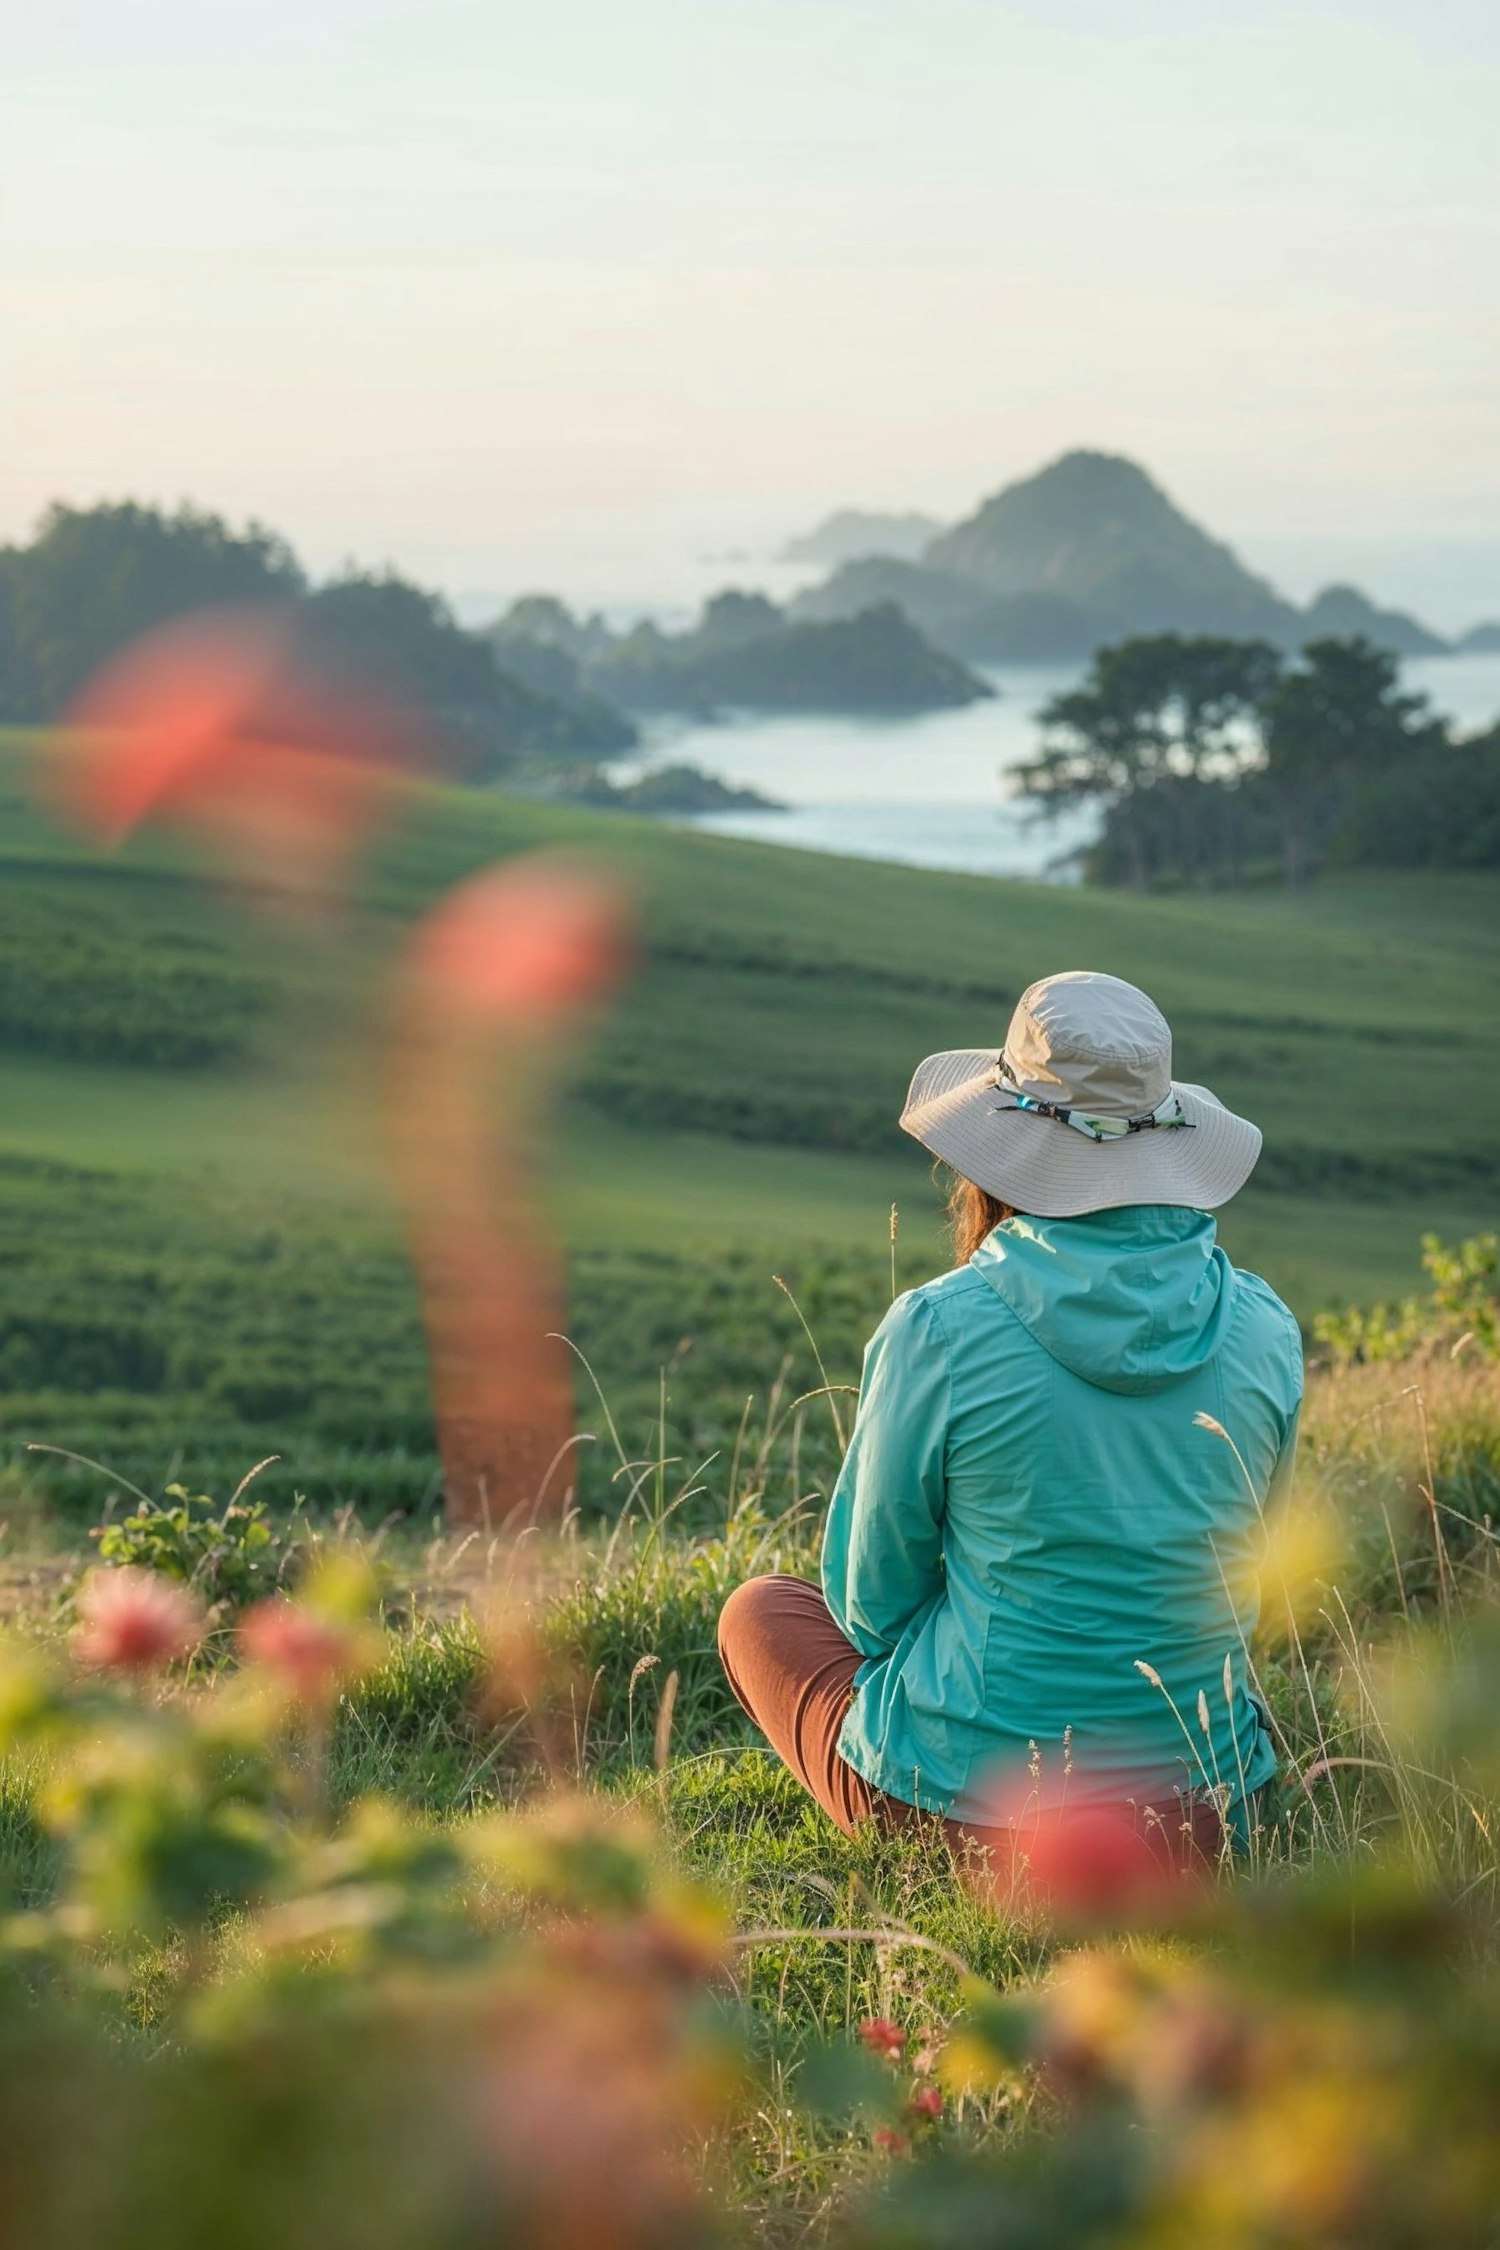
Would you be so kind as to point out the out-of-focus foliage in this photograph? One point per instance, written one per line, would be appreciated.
(1305, 2089)
(291, 2027)
(1461, 1311)
(371, 1938)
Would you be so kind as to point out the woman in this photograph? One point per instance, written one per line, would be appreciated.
(1038, 1568)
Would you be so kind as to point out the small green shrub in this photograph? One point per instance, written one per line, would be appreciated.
(229, 1557)
(1463, 1307)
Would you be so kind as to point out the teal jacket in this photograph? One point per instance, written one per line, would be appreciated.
(1030, 1522)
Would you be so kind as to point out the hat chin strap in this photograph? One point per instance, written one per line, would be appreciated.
(1168, 1115)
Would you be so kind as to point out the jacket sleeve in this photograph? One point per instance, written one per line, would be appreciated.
(1286, 1464)
(1286, 1460)
(883, 1546)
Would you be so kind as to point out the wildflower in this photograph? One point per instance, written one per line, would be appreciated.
(883, 2037)
(1093, 1862)
(311, 1654)
(525, 943)
(228, 725)
(926, 2102)
(890, 2141)
(135, 1621)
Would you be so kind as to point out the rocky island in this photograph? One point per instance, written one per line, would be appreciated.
(1088, 551)
(744, 654)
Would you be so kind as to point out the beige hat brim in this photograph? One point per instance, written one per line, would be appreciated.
(1042, 1166)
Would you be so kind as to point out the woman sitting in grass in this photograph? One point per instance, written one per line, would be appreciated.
(1038, 1569)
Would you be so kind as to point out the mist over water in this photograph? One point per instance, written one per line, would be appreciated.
(932, 791)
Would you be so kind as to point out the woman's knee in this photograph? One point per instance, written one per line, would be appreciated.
(742, 1620)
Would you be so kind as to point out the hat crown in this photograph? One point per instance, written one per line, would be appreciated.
(1083, 1040)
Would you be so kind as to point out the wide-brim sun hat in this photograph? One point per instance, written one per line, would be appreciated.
(1079, 1110)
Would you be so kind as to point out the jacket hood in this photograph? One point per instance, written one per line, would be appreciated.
(1131, 1300)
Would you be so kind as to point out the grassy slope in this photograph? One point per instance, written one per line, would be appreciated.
(736, 1108)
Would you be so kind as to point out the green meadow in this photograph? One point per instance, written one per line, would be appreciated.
(202, 1260)
(529, 1845)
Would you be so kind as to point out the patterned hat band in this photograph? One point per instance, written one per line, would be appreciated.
(1168, 1115)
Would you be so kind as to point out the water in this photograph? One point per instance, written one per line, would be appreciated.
(927, 791)
(931, 791)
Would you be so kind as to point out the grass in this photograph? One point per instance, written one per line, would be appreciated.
(627, 1701)
(204, 1266)
(205, 1263)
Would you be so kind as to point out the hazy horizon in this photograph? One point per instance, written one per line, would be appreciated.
(577, 298)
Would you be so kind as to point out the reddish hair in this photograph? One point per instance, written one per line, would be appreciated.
(972, 1213)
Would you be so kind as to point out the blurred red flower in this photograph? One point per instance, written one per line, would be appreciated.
(1091, 1862)
(310, 1654)
(883, 2037)
(494, 978)
(926, 2102)
(525, 942)
(1111, 1850)
(225, 724)
(134, 1621)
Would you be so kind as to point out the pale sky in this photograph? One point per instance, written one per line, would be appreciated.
(573, 292)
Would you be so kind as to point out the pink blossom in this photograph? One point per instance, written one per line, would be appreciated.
(528, 942)
(134, 1621)
(310, 1653)
(883, 2037)
(1093, 1861)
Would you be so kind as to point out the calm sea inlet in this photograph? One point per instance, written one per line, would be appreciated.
(932, 792)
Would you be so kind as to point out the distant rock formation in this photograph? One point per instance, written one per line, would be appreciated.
(1095, 530)
(548, 668)
(852, 532)
(542, 617)
(1480, 640)
(1343, 613)
(1091, 550)
(957, 615)
(665, 791)
(733, 619)
(746, 655)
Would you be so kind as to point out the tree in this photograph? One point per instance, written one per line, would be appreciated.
(383, 626)
(95, 578)
(543, 619)
(1151, 713)
(1219, 691)
(1338, 718)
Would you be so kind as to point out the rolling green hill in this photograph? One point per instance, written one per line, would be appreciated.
(201, 1264)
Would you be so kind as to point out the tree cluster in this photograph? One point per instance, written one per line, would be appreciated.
(94, 579)
(1216, 760)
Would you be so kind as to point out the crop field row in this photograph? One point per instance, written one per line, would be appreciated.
(202, 1264)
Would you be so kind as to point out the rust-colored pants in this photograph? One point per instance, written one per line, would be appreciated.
(793, 1671)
